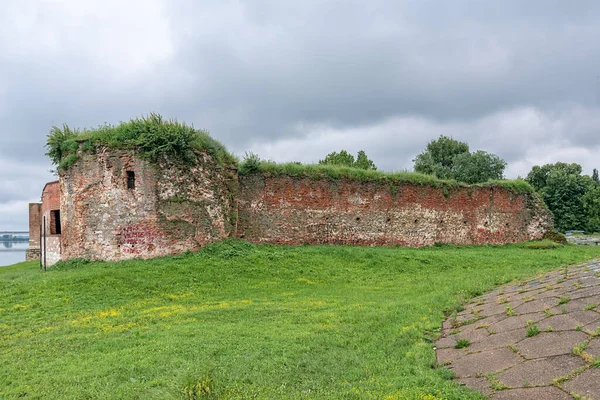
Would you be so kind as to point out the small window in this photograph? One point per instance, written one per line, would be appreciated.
(130, 180)
(55, 228)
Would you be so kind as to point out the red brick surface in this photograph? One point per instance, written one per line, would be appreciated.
(302, 210)
(35, 218)
(177, 207)
(173, 208)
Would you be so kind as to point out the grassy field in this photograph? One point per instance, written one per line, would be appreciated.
(237, 320)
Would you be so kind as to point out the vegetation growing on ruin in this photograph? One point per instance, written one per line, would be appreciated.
(237, 320)
(152, 136)
(253, 164)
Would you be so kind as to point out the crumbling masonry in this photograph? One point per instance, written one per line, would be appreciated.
(114, 205)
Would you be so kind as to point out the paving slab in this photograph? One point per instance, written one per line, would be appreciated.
(474, 365)
(482, 323)
(564, 305)
(536, 305)
(541, 371)
(516, 322)
(561, 322)
(593, 348)
(449, 355)
(590, 291)
(480, 385)
(571, 305)
(543, 393)
(548, 344)
(585, 317)
(586, 384)
(499, 340)
(593, 327)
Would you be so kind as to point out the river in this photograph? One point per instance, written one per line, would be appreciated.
(12, 252)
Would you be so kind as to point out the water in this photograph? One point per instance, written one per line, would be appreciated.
(12, 252)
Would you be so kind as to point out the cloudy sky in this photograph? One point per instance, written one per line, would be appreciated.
(294, 80)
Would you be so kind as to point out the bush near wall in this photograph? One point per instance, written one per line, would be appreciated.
(152, 136)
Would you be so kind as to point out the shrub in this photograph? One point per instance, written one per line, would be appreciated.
(152, 136)
(554, 236)
(542, 244)
(250, 163)
(320, 171)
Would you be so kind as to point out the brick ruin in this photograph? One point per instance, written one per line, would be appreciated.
(45, 226)
(114, 205)
(288, 210)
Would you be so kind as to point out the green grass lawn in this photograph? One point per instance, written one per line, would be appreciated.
(237, 320)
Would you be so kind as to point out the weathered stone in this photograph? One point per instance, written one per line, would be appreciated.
(561, 322)
(586, 384)
(499, 340)
(481, 385)
(593, 347)
(484, 362)
(293, 210)
(535, 305)
(540, 372)
(120, 206)
(548, 344)
(544, 357)
(541, 393)
(449, 355)
(515, 322)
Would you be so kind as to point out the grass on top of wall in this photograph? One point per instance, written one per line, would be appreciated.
(319, 171)
(237, 320)
(152, 136)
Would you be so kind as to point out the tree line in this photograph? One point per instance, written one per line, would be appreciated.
(573, 197)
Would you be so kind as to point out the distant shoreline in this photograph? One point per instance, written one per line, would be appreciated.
(14, 240)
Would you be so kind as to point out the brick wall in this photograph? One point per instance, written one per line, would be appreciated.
(53, 250)
(302, 210)
(35, 221)
(50, 197)
(51, 201)
(178, 207)
(173, 208)
(35, 218)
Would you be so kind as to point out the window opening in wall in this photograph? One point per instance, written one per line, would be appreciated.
(55, 228)
(130, 180)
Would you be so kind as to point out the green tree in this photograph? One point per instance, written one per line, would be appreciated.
(345, 159)
(363, 162)
(595, 177)
(447, 158)
(478, 167)
(438, 157)
(538, 176)
(591, 205)
(562, 186)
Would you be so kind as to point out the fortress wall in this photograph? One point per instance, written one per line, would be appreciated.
(289, 210)
(172, 207)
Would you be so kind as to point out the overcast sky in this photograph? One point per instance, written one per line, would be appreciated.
(294, 80)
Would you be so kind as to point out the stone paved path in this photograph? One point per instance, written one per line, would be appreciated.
(536, 340)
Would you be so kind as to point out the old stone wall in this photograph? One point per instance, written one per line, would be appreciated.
(117, 206)
(35, 221)
(51, 197)
(50, 206)
(290, 210)
(53, 250)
